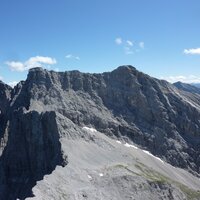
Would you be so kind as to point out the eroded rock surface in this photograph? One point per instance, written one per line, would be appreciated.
(124, 104)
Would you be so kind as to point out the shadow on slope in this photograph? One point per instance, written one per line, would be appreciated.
(33, 150)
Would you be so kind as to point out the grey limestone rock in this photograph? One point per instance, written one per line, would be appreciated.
(124, 104)
(33, 149)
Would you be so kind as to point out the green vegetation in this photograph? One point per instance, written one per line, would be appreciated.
(191, 194)
(151, 175)
(126, 167)
(154, 176)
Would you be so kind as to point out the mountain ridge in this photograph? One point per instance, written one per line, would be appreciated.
(124, 104)
(187, 87)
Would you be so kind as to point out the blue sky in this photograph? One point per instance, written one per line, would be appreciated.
(161, 38)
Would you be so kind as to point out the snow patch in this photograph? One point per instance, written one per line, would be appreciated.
(130, 145)
(89, 129)
(100, 174)
(89, 176)
(147, 152)
(119, 142)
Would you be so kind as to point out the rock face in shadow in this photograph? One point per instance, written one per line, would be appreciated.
(5, 93)
(5, 96)
(30, 146)
(124, 103)
(33, 150)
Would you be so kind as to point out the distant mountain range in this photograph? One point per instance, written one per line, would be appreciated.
(196, 84)
(116, 135)
(194, 88)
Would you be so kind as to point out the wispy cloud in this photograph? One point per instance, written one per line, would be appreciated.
(37, 61)
(184, 79)
(129, 43)
(141, 45)
(192, 51)
(129, 47)
(70, 56)
(128, 50)
(118, 41)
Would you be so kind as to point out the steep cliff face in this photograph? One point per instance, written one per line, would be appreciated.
(33, 150)
(5, 96)
(49, 107)
(30, 144)
(124, 102)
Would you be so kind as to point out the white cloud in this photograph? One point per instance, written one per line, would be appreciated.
(184, 79)
(16, 66)
(118, 41)
(192, 51)
(41, 59)
(37, 61)
(129, 43)
(1, 78)
(128, 50)
(70, 56)
(141, 45)
(13, 83)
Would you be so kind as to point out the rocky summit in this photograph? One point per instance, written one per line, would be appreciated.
(114, 136)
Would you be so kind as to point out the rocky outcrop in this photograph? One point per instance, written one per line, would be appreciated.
(33, 150)
(5, 96)
(124, 103)
(30, 144)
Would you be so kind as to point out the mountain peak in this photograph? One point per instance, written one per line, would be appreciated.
(36, 69)
(127, 68)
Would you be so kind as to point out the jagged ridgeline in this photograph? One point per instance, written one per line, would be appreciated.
(125, 104)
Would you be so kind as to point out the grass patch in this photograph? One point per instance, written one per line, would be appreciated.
(126, 168)
(191, 194)
(150, 174)
(154, 176)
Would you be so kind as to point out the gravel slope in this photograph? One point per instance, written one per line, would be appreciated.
(104, 168)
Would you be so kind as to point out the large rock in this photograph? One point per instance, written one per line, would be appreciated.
(33, 150)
